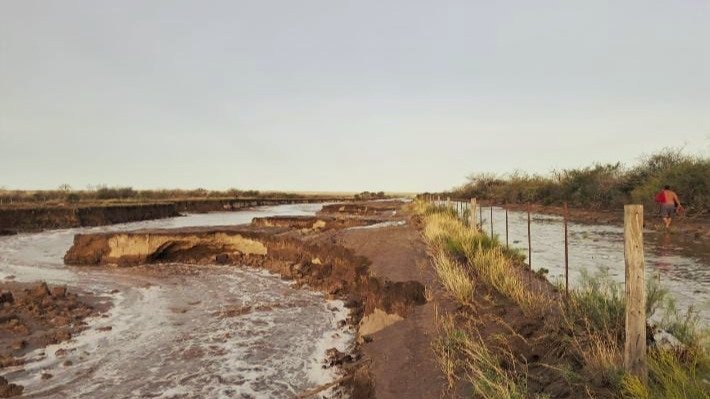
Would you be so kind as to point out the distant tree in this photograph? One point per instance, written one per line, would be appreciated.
(65, 188)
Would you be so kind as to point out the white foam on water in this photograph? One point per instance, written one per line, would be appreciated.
(380, 225)
(159, 346)
(166, 338)
(342, 339)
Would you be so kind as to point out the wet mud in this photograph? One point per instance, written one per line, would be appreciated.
(302, 249)
(313, 222)
(34, 316)
(28, 218)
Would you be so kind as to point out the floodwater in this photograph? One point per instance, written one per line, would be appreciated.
(171, 336)
(595, 247)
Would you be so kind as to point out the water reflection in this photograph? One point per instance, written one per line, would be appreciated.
(680, 263)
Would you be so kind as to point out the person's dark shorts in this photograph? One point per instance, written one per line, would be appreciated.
(667, 210)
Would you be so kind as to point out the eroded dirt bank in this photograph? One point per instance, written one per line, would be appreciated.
(35, 218)
(34, 316)
(14, 220)
(385, 290)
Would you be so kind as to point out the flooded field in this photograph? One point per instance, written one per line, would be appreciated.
(595, 247)
(206, 332)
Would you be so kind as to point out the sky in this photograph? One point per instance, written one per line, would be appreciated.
(329, 95)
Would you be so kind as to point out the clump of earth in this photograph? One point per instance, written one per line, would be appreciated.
(34, 316)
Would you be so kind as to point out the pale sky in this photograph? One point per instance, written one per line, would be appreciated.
(400, 95)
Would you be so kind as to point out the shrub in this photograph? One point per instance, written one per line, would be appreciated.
(602, 185)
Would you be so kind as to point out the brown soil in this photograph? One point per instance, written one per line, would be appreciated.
(24, 217)
(387, 278)
(36, 315)
(379, 208)
(385, 275)
(533, 343)
(402, 362)
(312, 222)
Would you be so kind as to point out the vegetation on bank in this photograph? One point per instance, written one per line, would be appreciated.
(66, 195)
(581, 338)
(602, 186)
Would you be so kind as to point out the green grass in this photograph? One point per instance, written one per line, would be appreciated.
(464, 356)
(672, 375)
(592, 320)
(455, 278)
(454, 242)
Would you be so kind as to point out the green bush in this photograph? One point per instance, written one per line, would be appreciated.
(605, 186)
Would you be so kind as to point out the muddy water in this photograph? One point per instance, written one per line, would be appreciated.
(173, 335)
(595, 247)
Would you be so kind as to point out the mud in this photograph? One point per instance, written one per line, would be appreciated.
(36, 315)
(377, 208)
(41, 218)
(36, 218)
(310, 252)
(332, 269)
(400, 349)
(312, 223)
(8, 390)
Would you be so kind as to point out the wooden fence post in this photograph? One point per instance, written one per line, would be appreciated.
(480, 216)
(472, 215)
(448, 202)
(635, 344)
(491, 220)
(506, 228)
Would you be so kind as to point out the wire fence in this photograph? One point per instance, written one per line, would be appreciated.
(471, 212)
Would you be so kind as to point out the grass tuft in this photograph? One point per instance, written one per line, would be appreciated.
(455, 278)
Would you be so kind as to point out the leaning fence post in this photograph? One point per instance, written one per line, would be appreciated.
(491, 220)
(635, 344)
(529, 241)
(506, 227)
(472, 215)
(566, 253)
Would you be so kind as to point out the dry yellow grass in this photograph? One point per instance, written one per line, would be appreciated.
(455, 278)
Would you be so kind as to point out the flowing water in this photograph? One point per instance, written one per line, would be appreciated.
(593, 247)
(169, 336)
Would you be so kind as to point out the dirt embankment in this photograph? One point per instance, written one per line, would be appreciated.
(14, 220)
(387, 294)
(382, 209)
(27, 219)
(234, 204)
(33, 316)
(312, 222)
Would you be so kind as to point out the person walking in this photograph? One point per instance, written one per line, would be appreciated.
(670, 204)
